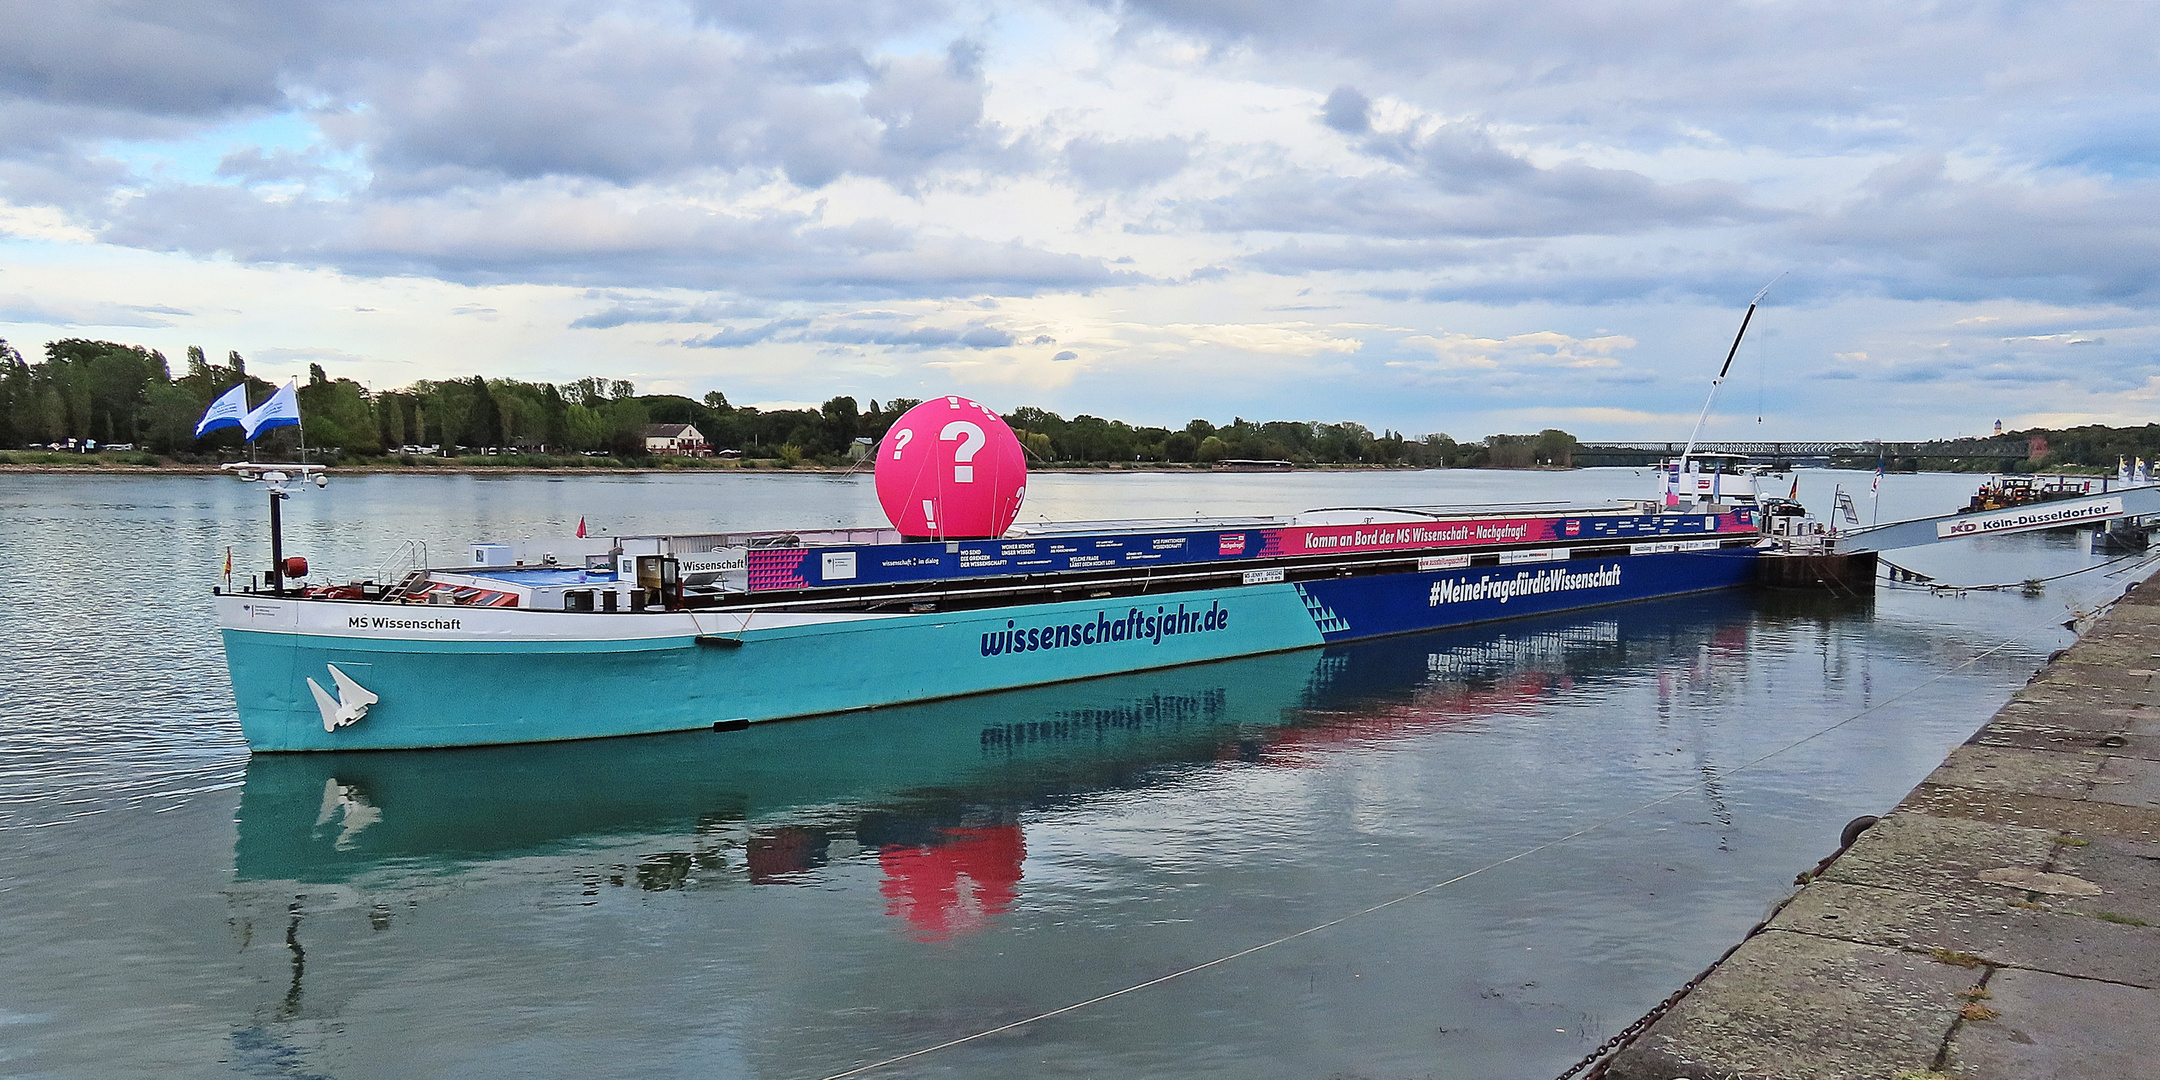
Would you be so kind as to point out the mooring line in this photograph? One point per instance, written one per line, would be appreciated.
(1935, 586)
(1464, 876)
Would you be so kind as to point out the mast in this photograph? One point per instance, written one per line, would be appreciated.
(1720, 380)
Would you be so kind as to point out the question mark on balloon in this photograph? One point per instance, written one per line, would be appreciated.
(971, 440)
(900, 441)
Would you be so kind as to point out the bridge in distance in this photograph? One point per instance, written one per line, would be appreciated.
(1858, 452)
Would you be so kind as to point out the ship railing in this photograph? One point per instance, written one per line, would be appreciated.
(409, 555)
(1439, 511)
(699, 543)
(1141, 525)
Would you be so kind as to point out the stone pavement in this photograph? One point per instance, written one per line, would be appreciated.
(2003, 923)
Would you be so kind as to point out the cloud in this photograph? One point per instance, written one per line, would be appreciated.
(853, 330)
(200, 60)
(1347, 111)
(732, 338)
(1125, 163)
(632, 99)
(1454, 352)
(317, 355)
(625, 310)
(1285, 339)
(90, 313)
(569, 233)
(1916, 230)
(1453, 180)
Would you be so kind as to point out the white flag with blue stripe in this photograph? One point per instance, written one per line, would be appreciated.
(229, 410)
(281, 410)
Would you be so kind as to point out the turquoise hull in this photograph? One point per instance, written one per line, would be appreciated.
(479, 676)
(465, 693)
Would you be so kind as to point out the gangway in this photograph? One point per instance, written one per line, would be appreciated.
(2131, 502)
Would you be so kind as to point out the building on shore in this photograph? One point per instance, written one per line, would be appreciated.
(678, 440)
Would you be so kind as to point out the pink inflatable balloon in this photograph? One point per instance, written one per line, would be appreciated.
(950, 468)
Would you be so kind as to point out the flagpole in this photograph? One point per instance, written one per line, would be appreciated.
(1875, 492)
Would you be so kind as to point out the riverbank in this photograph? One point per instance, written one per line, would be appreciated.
(2002, 922)
(461, 466)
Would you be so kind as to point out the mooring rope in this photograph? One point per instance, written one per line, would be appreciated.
(1935, 586)
(1689, 789)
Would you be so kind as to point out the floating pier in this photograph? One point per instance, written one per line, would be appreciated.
(2003, 922)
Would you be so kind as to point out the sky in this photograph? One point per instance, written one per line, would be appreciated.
(1460, 216)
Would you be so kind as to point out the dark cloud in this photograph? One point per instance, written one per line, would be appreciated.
(1467, 199)
(1664, 72)
(435, 97)
(1452, 180)
(1347, 111)
(1298, 256)
(973, 336)
(1916, 232)
(625, 310)
(732, 338)
(820, 21)
(1125, 163)
(628, 101)
(196, 59)
(573, 234)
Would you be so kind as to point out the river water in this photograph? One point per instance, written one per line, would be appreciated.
(1573, 814)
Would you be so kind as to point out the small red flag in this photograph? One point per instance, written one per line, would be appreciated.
(581, 528)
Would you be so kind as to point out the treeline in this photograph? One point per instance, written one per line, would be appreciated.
(2094, 446)
(124, 395)
(1051, 437)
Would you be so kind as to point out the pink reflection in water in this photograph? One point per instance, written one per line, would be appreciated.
(955, 886)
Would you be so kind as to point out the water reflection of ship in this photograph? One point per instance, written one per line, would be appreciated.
(934, 793)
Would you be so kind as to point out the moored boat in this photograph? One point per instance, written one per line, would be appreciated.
(570, 638)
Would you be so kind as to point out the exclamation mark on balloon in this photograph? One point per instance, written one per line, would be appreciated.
(929, 514)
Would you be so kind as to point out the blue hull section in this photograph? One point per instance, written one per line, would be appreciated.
(1359, 607)
(476, 690)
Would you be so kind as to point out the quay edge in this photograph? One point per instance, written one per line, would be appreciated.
(2002, 922)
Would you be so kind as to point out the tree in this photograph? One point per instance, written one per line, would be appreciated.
(483, 426)
(340, 414)
(555, 427)
(1556, 447)
(15, 396)
(101, 386)
(585, 428)
(625, 420)
(841, 420)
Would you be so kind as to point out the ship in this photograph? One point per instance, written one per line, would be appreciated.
(2004, 492)
(574, 638)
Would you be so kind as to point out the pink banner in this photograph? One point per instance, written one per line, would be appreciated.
(1397, 536)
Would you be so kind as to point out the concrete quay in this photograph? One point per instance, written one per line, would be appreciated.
(2002, 923)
